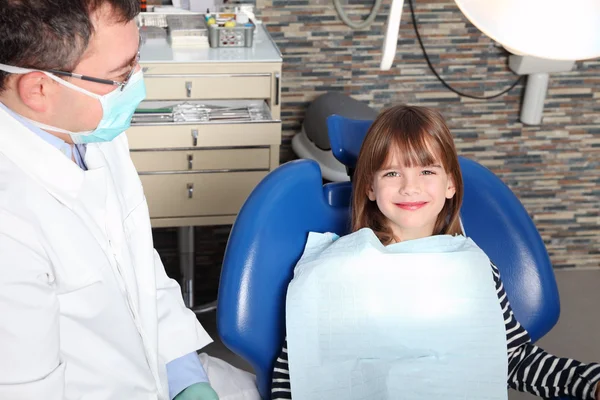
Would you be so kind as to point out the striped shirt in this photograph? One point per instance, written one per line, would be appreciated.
(530, 369)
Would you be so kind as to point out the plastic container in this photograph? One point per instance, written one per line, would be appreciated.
(238, 36)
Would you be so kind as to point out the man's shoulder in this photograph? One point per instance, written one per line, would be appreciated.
(18, 191)
(13, 178)
(8, 169)
(18, 221)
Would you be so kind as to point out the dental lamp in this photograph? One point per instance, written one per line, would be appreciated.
(543, 37)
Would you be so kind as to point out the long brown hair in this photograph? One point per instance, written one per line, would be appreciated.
(422, 136)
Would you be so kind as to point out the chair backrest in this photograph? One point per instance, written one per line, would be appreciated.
(270, 231)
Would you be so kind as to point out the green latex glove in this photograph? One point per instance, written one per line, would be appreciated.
(198, 391)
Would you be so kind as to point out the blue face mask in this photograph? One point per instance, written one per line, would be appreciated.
(118, 107)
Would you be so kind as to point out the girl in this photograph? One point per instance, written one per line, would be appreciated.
(408, 185)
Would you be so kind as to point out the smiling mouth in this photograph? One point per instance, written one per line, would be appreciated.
(412, 206)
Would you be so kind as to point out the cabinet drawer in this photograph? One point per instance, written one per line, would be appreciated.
(169, 195)
(164, 136)
(194, 160)
(209, 86)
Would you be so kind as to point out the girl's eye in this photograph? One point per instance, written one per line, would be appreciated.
(428, 172)
(391, 174)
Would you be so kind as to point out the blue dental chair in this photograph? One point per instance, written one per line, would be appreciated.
(269, 235)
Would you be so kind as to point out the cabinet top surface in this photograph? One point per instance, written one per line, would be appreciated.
(263, 50)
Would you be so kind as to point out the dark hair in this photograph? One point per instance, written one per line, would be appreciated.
(52, 34)
(421, 134)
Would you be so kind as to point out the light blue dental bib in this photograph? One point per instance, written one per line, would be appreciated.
(417, 320)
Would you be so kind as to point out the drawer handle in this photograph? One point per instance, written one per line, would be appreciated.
(188, 89)
(195, 136)
(190, 190)
(190, 161)
(277, 78)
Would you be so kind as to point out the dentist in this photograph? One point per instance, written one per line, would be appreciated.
(86, 309)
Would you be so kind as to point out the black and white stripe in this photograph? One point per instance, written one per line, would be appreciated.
(530, 369)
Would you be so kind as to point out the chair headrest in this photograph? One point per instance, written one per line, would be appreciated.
(346, 136)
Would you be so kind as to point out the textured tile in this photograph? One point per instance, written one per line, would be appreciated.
(552, 168)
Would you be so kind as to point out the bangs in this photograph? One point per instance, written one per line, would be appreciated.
(413, 149)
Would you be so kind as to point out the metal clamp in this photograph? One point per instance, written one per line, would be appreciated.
(195, 136)
(188, 88)
(190, 159)
(190, 189)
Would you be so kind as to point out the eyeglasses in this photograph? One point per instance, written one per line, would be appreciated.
(98, 80)
(104, 81)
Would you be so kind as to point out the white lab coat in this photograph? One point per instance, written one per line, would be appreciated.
(86, 309)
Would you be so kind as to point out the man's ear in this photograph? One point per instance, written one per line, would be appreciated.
(36, 90)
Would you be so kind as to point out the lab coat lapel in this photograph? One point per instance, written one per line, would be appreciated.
(40, 160)
(84, 192)
(91, 204)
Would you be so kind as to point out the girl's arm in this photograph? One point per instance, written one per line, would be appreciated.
(532, 370)
(280, 388)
